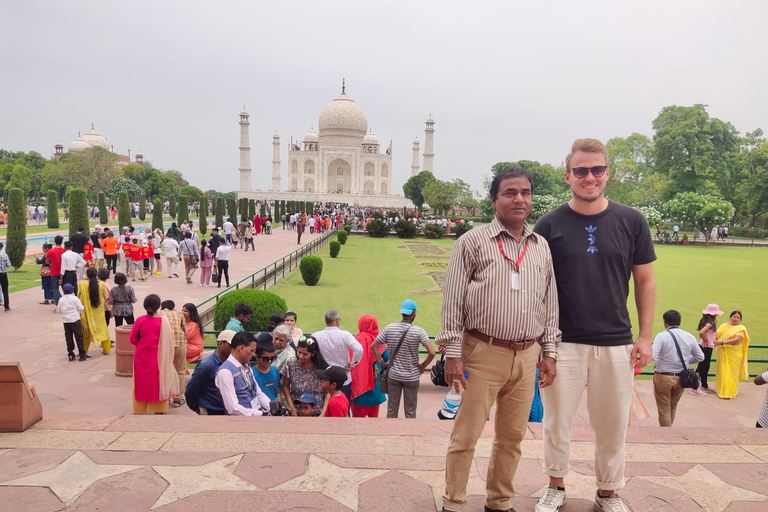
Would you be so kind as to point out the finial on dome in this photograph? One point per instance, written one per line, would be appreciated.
(78, 134)
(92, 127)
(343, 86)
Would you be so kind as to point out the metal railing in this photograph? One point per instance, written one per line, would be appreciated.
(266, 276)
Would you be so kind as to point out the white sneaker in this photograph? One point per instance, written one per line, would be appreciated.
(552, 500)
(610, 503)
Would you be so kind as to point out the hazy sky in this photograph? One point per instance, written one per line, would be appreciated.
(504, 80)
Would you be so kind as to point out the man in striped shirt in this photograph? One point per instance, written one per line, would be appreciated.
(499, 305)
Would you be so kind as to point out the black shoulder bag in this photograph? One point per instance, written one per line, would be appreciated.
(384, 375)
(688, 377)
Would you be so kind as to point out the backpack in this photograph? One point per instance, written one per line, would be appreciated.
(437, 373)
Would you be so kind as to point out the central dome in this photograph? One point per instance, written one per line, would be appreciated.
(94, 138)
(343, 119)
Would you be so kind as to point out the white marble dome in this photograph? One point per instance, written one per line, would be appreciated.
(77, 145)
(370, 139)
(94, 138)
(342, 118)
(311, 136)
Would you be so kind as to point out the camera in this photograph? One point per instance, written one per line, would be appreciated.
(277, 408)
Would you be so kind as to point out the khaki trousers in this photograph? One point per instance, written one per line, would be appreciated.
(667, 391)
(608, 375)
(500, 375)
(189, 270)
(180, 363)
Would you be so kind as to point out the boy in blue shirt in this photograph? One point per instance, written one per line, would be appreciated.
(267, 376)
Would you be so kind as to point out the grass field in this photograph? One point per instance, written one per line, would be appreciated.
(373, 276)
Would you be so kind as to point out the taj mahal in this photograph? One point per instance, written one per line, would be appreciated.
(341, 162)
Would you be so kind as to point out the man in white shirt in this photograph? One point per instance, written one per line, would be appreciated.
(171, 248)
(311, 224)
(228, 230)
(666, 379)
(70, 260)
(235, 381)
(334, 346)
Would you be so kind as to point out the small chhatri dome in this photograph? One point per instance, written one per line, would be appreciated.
(78, 145)
(311, 136)
(370, 138)
(94, 138)
(342, 118)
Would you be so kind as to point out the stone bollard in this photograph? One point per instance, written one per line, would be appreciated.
(124, 351)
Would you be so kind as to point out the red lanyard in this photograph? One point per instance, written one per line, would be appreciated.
(517, 263)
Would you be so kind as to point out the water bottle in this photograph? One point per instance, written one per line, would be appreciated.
(450, 405)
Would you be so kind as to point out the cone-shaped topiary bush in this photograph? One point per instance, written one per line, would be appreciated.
(157, 214)
(142, 207)
(219, 211)
(342, 236)
(78, 210)
(16, 237)
(53, 209)
(123, 211)
(335, 248)
(348, 229)
(232, 210)
(172, 206)
(103, 214)
(183, 209)
(311, 268)
(203, 210)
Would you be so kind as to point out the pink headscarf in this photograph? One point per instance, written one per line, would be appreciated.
(362, 374)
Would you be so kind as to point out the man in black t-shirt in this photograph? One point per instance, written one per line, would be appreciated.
(596, 245)
(78, 245)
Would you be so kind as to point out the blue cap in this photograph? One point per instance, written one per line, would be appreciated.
(68, 288)
(307, 398)
(408, 307)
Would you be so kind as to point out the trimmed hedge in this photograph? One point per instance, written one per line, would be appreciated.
(377, 228)
(203, 211)
(78, 210)
(53, 209)
(311, 268)
(335, 248)
(251, 209)
(16, 235)
(183, 209)
(460, 229)
(434, 231)
(172, 206)
(232, 210)
(405, 229)
(123, 211)
(748, 232)
(218, 211)
(348, 229)
(262, 302)
(157, 214)
(103, 214)
(142, 208)
(342, 236)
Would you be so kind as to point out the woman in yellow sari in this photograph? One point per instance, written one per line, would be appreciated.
(90, 291)
(732, 343)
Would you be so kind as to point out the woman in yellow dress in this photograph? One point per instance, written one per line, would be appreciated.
(90, 291)
(732, 343)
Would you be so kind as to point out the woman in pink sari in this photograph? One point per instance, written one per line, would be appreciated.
(257, 223)
(154, 376)
(363, 378)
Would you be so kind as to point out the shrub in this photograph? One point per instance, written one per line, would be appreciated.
(405, 229)
(78, 210)
(142, 208)
(123, 211)
(232, 209)
(460, 229)
(311, 268)
(203, 211)
(53, 209)
(16, 236)
(218, 211)
(748, 232)
(342, 236)
(348, 229)
(262, 302)
(251, 209)
(242, 207)
(434, 231)
(103, 214)
(335, 248)
(172, 206)
(157, 214)
(183, 210)
(377, 228)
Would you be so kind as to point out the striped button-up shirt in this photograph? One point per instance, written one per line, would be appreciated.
(478, 291)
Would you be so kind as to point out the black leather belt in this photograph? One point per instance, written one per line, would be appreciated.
(514, 345)
(668, 374)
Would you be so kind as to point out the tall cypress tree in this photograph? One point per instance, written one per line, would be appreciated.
(242, 208)
(219, 211)
(157, 214)
(203, 210)
(262, 211)
(232, 209)
(172, 206)
(142, 207)
(53, 209)
(251, 209)
(78, 210)
(103, 215)
(123, 211)
(16, 237)
(183, 209)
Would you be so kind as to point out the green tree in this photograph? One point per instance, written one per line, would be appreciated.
(159, 184)
(251, 209)
(127, 185)
(414, 188)
(103, 215)
(183, 209)
(752, 192)
(632, 175)
(16, 236)
(687, 142)
(262, 210)
(172, 206)
(52, 177)
(15, 175)
(123, 210)
(142, 207)
(193, 193)
(232, 209)
(53, 209)
(203, 211)
(546, 179)
(93, 168)
(177, 177)
(704, 212)
(78, 210)
(219, 211)
(440, 195)
(157, 214)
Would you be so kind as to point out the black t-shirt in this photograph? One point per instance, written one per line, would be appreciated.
(78, 242)
(96, 239)
(593, 257)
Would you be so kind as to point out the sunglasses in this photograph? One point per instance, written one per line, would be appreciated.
(268, 359)
(597, 171)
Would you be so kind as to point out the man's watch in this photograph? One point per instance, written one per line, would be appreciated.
(553, 355)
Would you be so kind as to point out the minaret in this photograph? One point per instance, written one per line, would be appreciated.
(245, 152)
(415, 162)
(429, 149)
(276, 163)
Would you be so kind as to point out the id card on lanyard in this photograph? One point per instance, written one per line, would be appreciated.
(514, 278)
